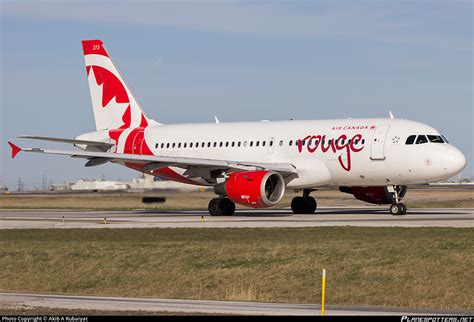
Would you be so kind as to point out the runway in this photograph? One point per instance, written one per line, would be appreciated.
(118, 304)
(363, 217)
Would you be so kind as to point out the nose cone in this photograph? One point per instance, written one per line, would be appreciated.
(454, 161)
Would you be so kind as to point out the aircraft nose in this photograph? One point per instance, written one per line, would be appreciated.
(454, 161)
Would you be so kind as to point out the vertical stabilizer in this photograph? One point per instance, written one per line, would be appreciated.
(113, 103)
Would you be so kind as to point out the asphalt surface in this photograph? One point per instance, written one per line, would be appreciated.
(363, 217)
(22, 300)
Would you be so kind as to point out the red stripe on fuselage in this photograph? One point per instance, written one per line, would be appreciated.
(136, 144)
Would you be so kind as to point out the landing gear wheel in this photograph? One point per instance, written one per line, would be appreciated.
(228, 206)
(398, 209)
(404, 208)
(221, 207)
(303, 205)
(214, 207)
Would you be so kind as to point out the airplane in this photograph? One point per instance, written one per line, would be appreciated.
(254, 163)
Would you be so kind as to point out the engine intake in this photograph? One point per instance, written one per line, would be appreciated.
(257, 189)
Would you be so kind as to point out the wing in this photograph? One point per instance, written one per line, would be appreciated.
(194, 166)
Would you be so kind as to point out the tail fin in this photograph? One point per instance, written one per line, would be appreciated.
(114, 104)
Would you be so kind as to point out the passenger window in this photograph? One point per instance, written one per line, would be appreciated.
(220, 144)
(174, 144)
(435, 139)
(263, 143)
(184, 144)
(291, 142)
(257, 143)
(215, 144)
(363, 141)
(410, 139)
(167, 145)
(421, 139)
(281, 142)
(251, 143)
(245, 143)
(162, 145)
(226, 144)
(233, 144)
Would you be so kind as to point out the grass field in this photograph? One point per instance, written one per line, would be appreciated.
(392, 267)
(422, 198)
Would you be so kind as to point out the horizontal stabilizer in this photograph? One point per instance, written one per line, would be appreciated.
(70, 141)
(15, 149)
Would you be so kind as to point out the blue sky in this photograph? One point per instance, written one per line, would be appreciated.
(240, 60)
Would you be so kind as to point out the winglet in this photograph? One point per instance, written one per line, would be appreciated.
(15, 149)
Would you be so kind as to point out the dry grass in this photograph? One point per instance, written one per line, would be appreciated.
(394, 267)
(421, 198)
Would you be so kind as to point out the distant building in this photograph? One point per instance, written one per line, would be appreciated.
(98, 185)
(146, 181)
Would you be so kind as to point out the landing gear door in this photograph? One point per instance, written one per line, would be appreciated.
(378, 142)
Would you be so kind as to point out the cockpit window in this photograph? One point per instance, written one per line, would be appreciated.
(421, 139)
(435, 139)
(445, 139)
(410, 139)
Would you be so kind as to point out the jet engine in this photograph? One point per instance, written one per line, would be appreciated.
(257, 189)
(375, 195)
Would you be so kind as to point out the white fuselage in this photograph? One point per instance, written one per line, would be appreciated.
(376, 155)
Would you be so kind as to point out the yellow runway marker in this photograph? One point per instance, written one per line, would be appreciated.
(323, 291)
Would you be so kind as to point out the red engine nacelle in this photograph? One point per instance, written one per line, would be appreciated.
(257, 189)
(376, 195)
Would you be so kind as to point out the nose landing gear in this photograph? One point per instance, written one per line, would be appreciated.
(397, 208)
(305, 204)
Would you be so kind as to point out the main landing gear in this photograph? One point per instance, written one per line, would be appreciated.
(397, 208)
(305, 204)
(221, 207)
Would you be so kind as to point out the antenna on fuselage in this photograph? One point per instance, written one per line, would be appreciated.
(391, 115)
(217, 120)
